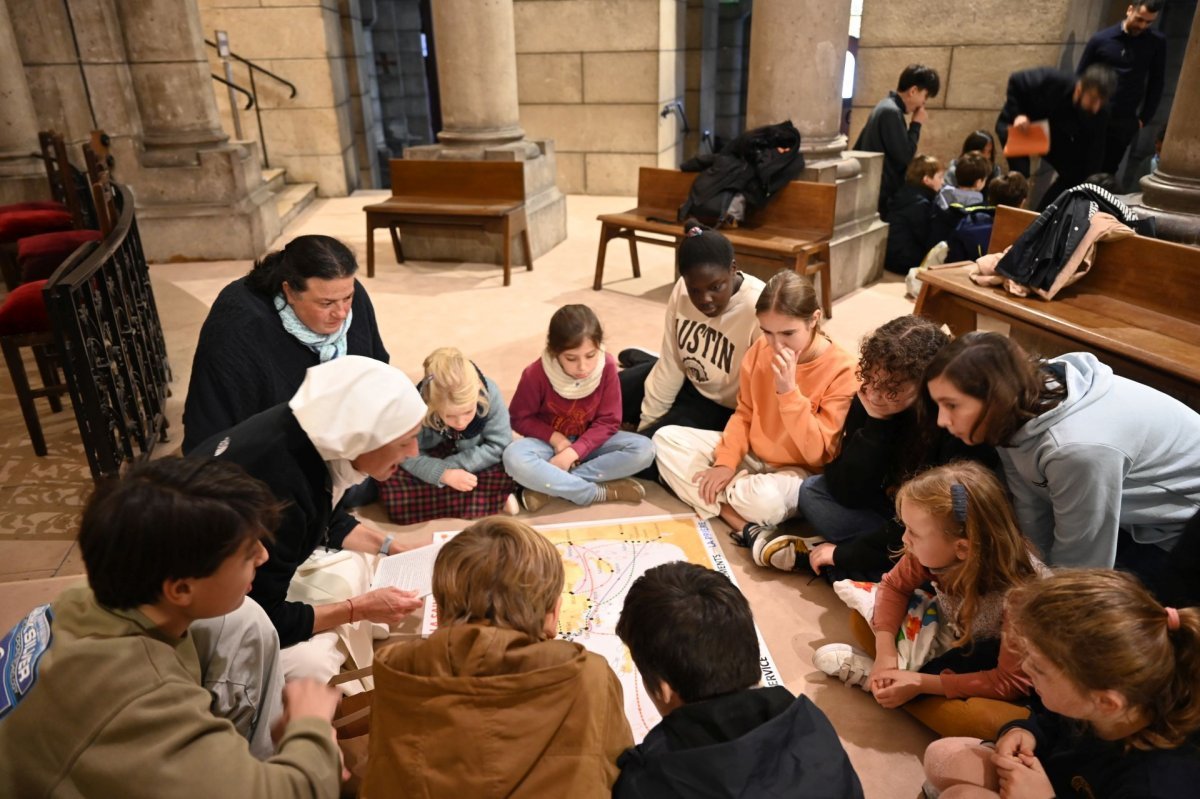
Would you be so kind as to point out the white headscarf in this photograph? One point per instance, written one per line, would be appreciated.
(352, 405)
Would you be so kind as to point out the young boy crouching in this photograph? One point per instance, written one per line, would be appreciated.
(492, 704)
(105, 689)
(691, 635)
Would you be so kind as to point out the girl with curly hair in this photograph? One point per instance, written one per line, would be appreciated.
(883, 443)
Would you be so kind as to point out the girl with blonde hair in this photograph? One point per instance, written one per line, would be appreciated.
(960, 535)
(1119, 677)
(458, 473)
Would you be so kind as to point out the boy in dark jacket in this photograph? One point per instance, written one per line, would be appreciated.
(886, 132)
(691, 635)
(910, 213)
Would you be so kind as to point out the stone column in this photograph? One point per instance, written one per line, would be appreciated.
(797, 58)
(477, 71)
(164, 44)
(21, 177)
(477, 78)
(1174, 188)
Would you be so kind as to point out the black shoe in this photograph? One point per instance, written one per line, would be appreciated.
(635, 356)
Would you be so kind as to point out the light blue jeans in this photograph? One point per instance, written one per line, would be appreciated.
(623, 455)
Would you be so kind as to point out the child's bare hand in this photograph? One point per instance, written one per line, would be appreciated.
(459, 479)
(712, 481)
(820, 556)
(566, 459)
(1016, 741)
(559, 442)
(1022, 777)
(306, 697)
(783, 365)
(896, 687)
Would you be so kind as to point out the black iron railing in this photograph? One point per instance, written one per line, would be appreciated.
(111, 343)
(252, 93)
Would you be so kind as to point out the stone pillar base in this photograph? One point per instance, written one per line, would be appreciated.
(545, 207)
(1169, 225)
(21, 187)
(213, 207)
(859, 235)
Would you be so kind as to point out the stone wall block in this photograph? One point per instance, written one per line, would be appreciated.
(571, 26)
(571, 176)
(274, 33)
(616, 173)
(576, 128)
(620, 77)
(936, 22)
(302, 131)
(115, 103)
(549, 78)
(980, 76)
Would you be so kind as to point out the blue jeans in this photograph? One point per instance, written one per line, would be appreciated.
(625, 454)
(830, 519)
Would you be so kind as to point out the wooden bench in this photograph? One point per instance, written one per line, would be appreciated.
(1138, 309)
(483, 194)
(794, 228)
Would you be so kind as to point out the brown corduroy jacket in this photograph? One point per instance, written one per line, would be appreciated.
(484, 711)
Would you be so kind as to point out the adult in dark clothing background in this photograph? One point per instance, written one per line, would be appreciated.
(1138, 55)
(1074, 108)
(297, 307)
(886, 132)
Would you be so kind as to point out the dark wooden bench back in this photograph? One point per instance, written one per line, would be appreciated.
(798, 206)
(491, 181)
(662, 191)
(1157, 275)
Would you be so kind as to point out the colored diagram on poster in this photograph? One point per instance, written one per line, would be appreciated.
(602, 560)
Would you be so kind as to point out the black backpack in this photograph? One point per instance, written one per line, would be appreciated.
(750, 166)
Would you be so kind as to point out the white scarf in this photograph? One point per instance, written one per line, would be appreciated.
(568, 387)
(344, 476)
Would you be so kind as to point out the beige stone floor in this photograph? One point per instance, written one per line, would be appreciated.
(424, 305)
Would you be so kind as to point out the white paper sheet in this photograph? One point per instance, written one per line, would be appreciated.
(411, 570)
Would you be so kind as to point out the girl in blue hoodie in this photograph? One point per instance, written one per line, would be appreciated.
(1103, 470)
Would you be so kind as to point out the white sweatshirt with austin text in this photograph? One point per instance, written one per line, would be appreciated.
(706, 351)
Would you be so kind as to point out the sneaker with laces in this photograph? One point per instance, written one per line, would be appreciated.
(533, 501)
(849, 664)
(624, 490)
(772, 547)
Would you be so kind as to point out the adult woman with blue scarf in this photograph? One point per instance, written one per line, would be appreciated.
(298, 307)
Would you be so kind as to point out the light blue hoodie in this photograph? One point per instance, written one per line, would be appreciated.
(1114, 454)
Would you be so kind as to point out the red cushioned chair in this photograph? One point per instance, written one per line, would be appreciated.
(33, 219)
(39, 256)
(24, 322)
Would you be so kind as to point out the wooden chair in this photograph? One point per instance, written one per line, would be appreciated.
(483, 194)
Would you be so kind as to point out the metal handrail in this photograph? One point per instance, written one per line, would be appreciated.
(254, 67)
(236, 88)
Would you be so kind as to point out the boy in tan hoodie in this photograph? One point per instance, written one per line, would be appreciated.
(492, 704)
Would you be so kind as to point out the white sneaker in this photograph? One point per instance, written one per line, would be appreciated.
(849, 664)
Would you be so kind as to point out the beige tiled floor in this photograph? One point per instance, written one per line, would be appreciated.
(424, 305)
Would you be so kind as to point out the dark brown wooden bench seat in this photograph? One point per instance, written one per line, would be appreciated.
(484, 194)
(795, 228)
(1138, 309)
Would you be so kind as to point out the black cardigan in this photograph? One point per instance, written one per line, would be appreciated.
(274, 448)
(246, 362)
(1081, 765)
(876, 456)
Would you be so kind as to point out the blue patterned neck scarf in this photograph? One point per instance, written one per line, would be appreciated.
(327, 347)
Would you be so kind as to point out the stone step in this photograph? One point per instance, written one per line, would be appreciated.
(274, 178)
(292, 199)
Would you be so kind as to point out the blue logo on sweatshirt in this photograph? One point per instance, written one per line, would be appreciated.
(20, 652)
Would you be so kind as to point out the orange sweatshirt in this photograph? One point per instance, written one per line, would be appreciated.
(799, 428)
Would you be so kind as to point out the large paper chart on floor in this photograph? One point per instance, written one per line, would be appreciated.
(602, 559)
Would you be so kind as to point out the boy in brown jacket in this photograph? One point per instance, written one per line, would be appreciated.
(492, 704)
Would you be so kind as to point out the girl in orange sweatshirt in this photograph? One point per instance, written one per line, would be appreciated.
(794, 392)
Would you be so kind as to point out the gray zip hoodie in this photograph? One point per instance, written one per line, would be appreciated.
(1115, 454)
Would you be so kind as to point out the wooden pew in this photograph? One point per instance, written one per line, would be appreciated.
(1138, 309)
(483, 194)
(794, 228)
